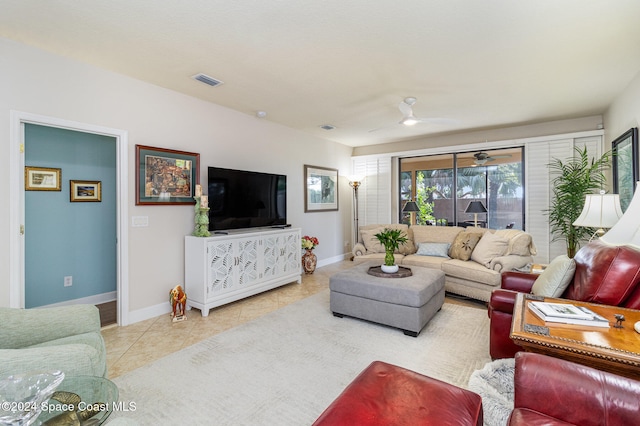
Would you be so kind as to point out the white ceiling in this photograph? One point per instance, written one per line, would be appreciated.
(482, 63)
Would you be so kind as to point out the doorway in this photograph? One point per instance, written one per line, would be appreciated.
(18, 209)
(77, 217)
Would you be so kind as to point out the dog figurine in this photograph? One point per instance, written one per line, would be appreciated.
(178, 300)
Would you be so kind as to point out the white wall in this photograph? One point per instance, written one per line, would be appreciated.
(37, 82)
(623, 113)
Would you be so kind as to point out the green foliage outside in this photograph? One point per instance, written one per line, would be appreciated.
(423, 195)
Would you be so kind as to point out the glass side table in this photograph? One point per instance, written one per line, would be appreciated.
(80, 400)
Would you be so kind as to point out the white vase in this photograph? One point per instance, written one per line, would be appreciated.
(389, 269)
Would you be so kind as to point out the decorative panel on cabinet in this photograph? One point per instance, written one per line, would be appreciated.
(225, 268)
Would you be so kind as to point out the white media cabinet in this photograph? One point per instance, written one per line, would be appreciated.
(224, 268)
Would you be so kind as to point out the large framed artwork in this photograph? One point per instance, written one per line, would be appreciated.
(42, 179)
(166, 176)
(625, 166)
(321, 189)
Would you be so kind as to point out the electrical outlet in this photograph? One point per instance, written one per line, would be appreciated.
(68, 281)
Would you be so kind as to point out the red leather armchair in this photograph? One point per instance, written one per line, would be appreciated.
(604, 274)
(552, 391)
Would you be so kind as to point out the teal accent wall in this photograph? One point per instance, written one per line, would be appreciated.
(69, 239)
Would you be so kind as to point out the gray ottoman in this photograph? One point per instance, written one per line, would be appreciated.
(405, 303)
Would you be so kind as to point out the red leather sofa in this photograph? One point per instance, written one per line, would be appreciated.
(604, 274)
(551, 391)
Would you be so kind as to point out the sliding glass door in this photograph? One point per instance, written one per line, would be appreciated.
(484, 188)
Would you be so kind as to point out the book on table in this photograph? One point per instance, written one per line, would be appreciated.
(566, 313)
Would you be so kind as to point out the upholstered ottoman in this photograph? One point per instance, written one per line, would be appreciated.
(405, 303)
(385, 394)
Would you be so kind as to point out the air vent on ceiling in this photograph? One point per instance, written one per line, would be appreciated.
(327, 127)
(203, 78)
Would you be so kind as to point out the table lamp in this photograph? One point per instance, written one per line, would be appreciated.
(411, 207)
(627, 230)
(475, 207)
(600, 211)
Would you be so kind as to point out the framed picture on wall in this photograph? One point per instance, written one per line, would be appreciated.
(166, 176)
(625, 166)
(321, 189)
(85, 190)
(42, 179)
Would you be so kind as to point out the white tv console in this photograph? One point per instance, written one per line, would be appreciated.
(224, 268)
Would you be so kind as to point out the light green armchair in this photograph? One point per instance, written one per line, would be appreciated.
(65, 338)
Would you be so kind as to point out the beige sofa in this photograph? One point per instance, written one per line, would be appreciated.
(471, 258)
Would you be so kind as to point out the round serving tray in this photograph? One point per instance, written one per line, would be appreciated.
(403, 272)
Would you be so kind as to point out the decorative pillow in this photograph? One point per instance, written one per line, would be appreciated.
(520, 245)
(463, 245)
(370, 242)
(555, 279)
(434, 249)
(520, 242)
(489, 247)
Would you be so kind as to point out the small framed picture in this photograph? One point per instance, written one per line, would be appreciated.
(321, 189)
(42, 179)
(85, 190)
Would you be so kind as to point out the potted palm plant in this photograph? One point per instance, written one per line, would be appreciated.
(575, 179)
(391, 240)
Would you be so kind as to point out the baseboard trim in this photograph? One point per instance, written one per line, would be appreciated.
(89, 300)
(150, 312)
(165, 308)
(335, 259)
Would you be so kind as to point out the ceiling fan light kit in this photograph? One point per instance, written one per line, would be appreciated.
(409, 119)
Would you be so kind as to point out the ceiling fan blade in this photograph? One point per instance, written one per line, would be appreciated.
(405, 109)
(438, 120)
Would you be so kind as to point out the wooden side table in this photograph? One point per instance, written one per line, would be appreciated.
(616, 350)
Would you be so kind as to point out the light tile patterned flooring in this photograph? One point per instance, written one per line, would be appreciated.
(141, 343)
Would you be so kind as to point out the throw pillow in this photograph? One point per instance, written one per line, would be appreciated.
(489, 247)
(554, 280)
(434, 249)
(463, 245)
(370, 242)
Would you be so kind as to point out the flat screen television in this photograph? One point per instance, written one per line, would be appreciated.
(244, 199)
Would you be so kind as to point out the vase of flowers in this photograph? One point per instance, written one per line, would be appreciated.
(391, 240)
(309, 259)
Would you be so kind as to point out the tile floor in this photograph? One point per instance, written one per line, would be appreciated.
(141, 343)
(138, 344)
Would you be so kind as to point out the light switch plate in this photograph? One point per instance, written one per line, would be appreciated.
(139, 221)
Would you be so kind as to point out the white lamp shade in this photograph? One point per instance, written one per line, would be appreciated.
(355, 178)
(600, 211)
(627, 230)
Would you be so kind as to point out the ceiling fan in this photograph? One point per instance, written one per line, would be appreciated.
(481, 158)
(409, 119)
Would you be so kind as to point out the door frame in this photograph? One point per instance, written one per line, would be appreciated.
(17, 209)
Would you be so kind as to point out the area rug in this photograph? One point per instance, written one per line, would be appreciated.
(286, 367)
(494, 383)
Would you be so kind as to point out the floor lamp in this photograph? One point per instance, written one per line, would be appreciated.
(475, 207)
(355, 182)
